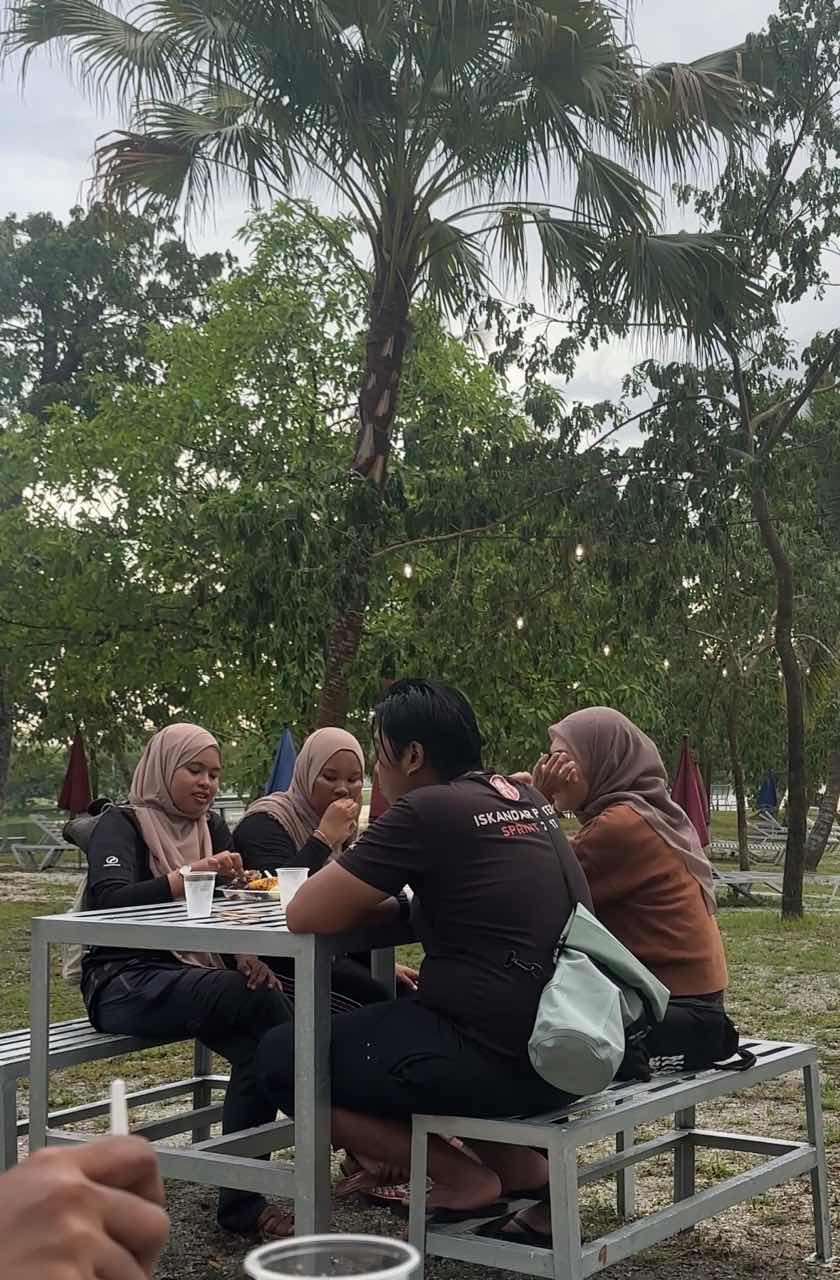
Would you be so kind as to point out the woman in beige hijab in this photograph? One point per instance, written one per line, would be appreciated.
(306, 826)
(137, 855)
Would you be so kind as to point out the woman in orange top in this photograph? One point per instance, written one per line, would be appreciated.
(651, 883)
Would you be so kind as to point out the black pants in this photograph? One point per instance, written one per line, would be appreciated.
(215, 1007)
(395, 1059)
(351, 984)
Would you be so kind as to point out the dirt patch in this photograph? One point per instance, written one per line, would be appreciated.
(26, 886)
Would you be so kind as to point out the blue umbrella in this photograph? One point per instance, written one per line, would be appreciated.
(768, 796)
(280, 778)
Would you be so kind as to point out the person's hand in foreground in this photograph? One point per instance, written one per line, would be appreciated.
(88, 1213)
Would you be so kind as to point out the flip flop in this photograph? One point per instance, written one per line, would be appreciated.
(523, 1234)
(443, 1215)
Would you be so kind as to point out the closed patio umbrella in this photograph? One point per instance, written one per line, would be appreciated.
(768, 795)
(688, 792)
(75, 794)
(280, 778)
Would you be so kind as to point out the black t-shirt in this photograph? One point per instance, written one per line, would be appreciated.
(265, 845)
(120, 875)
(492, 897)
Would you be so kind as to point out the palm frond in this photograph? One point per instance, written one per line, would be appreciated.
(570, 249)
(687, 283)
(453, 266)
(106, 50)
(611, 195)
(679, 112)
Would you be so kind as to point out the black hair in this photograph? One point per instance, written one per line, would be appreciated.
(438, 717)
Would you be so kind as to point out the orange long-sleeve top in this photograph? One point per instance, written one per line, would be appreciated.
(643, 892)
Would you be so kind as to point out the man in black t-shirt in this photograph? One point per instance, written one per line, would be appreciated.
(494, 882)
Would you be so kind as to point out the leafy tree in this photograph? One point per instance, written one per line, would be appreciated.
(738, 422)
(76, 304)
(433, 124)
(213, 517)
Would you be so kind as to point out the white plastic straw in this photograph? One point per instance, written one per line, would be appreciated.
(119, 1109)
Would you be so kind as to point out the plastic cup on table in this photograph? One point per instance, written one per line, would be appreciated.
(198, 891)
(289, 880)
(337, 1257)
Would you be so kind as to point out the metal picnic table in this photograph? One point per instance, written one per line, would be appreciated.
(234, 927)
(741, 884)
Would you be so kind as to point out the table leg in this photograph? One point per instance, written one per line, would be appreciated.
(684, 1157)
(312, 1089)
(39, 1022)
(819, 1180)
(382, 968)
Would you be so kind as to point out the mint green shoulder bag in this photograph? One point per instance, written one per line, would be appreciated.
(597, 992)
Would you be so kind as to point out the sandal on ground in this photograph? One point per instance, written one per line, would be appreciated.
(523, 1234)
(443, 1216)
(253, 1224)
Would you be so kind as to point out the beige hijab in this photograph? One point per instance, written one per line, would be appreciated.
(623, 766)
(293, 808)
(174, 840)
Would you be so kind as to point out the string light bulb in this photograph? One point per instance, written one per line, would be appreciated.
(408, 570)
(724, 672)
(667, 664)
(606, 651)
(520, 623)
(580, 552)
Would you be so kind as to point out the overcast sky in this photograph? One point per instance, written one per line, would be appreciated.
(48, 133)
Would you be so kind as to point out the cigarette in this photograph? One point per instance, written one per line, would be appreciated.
(119, 1109)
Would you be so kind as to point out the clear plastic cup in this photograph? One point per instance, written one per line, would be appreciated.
(339, 1257)
(198, 890)
(289, 880)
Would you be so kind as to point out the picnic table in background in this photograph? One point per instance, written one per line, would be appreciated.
(741, 885)
(47, 852)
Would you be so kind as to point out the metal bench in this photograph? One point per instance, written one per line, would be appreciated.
(616, 1113)
(76, 1041)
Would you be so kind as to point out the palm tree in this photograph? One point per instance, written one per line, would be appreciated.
(434, 120)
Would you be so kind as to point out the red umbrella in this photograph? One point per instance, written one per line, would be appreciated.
(689, 793)
(378, 803)
(75, 794)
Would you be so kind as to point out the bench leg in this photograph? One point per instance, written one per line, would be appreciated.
(625, 1179)
(819, 1180)
(684, 1157)
(8, 1124)
(565, 1215)
(417, 1193)
(202, 1093)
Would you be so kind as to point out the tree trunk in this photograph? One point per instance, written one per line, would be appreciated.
(387, 338)
(738, 780)
(126, 771)
(821, 830)
(93, 767)
(6, 726)
(797, 780)
(342, 646)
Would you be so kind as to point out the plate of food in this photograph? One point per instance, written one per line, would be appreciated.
(250, 886)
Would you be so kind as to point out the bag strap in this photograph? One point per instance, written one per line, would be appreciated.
(742, 1060)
